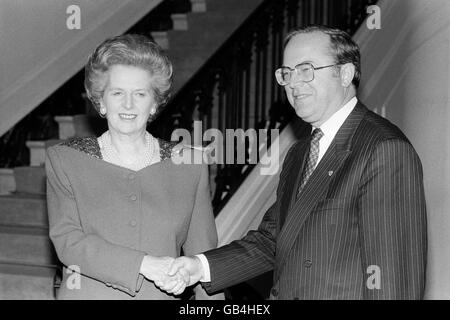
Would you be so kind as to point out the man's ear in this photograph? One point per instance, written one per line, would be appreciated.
(347, 74)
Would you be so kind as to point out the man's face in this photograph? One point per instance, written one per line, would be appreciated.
(315, 101)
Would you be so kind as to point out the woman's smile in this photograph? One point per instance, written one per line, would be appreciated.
(127, 116)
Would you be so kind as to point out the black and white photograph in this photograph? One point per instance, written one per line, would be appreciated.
(234, 152)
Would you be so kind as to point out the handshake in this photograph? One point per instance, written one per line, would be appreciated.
(170, 274)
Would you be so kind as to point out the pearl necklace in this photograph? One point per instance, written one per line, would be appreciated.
(110, 154)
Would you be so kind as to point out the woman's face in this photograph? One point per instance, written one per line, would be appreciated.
(128, 99)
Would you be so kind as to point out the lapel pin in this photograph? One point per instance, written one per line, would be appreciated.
(330, 173)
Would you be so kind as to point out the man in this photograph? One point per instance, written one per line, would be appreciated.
(349, 221)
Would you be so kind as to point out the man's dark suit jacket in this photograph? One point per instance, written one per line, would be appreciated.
(357, 230)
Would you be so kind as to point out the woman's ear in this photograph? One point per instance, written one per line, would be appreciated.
(347, 74)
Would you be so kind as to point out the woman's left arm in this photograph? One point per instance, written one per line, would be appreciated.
(202, 233)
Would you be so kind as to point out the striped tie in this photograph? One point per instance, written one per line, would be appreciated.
(312, 158)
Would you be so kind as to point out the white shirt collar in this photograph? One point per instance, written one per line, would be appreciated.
(332, 125)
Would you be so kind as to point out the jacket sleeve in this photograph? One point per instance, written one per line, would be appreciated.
(393, 230)
(202, 233)
(115, 265)
(246, 258)
(252, 255)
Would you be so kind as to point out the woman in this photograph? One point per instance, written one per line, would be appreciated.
(117, 202)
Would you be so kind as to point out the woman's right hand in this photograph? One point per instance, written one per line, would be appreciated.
(156, 269)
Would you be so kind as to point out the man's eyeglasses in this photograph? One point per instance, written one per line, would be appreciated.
(304, 72)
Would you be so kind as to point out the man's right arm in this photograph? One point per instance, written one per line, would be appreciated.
(242, 259)
(251, 256)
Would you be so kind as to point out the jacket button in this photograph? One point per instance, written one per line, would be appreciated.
(133, 223)
(133, 197)
(308, 263)
(131, 176)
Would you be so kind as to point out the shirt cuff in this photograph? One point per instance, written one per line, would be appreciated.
(206, 273)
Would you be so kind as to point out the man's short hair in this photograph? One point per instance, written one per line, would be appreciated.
(343, 48)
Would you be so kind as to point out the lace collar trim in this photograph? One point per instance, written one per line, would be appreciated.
(90, 146)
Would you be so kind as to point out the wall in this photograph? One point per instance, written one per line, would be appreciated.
(39, 53)
(406, 74)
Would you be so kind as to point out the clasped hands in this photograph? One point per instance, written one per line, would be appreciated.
(170, 274)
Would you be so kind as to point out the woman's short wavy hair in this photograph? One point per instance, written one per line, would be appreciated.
(131, 50)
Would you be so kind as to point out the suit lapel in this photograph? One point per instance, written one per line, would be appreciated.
(292, 177)
(316, 188)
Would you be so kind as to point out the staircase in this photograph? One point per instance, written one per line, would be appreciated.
(206, 32)
(27, 259)
(221, 77)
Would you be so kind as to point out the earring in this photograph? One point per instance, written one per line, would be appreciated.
(152, 111)
(102, 112)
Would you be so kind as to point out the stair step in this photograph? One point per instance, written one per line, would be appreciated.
(24, 210)
(26, 287)
(24, 230)
(30, 180)
(190, 49)
(27, 249)
(161, 38)
(179, 21)
(229, 6)
(198, 5)
(195, 40)
(197, 54)
(79, 125)
(37, 150)
(7, 181)
(27, 269)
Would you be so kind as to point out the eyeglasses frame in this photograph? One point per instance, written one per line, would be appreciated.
(295, 69)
